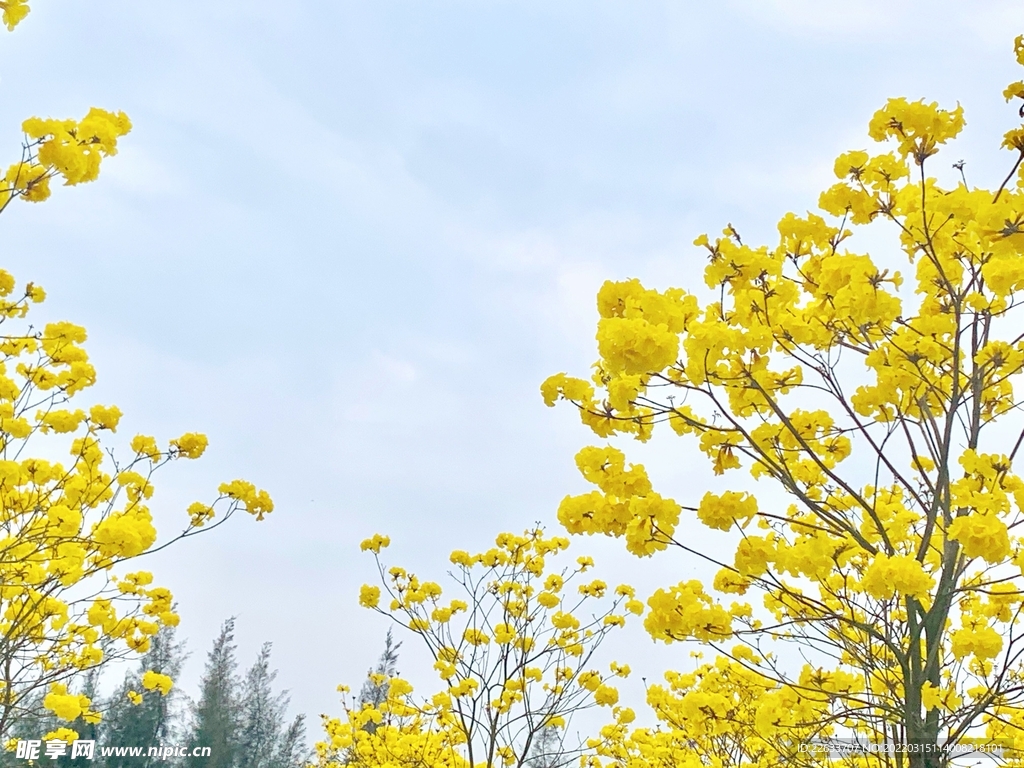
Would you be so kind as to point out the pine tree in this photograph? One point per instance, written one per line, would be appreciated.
(37, 722)
(216, 715)
(153, 721)
(261, 714)
(375, 688)
(293, 752)
(264, 741)
(546, 749)
(33, 723)
(241, 720)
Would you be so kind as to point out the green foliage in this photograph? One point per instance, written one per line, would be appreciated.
(152, 722)
(263, 739)
(216, 715)
(375, 688)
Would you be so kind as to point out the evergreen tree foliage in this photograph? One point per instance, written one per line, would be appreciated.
(546, 750)
(292, 752)
(37, 722)
(261, 713)
(216, 715)
(33, 723)
(374, 691)
(241, 718)
(375, 688)
(264, 741)
(153, 721)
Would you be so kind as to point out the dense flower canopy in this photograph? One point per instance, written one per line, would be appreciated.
(514, 652)
(74, 512)
(877, 392)
(69, 526)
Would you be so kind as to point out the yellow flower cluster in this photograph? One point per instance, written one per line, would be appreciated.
(397, 732)
(156, 681)
(516, 635)
(888, 576)
(70, 149)
(917, 127)
(728, 712)
(687, 611)
(256, 502)
(722, 511)
(68, 706)
(68, 526)
(13, 12)
(626, 505)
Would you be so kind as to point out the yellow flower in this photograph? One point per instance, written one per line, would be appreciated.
(375, 543)
(851, 164)
(61, 734)
(576, 390)
(595, 588)
(606, 696)
(199, 513)
(918, 127)
(899, 574)
(461, 557)
(35, 293)
(144, 445)
(620, 670)
(723, 511)
(504, 634)
(155, 681)
(686, 611)
(753, 554)
(590, 680)
(981, 535)
(561, 620)
(475, 637)
(369, 596)
(441, 615)
(984, 642)
(191, 445)
(548, 599)
(105, 417)
(634, 345)
(445, 669)
(14, 12)
(65, 705)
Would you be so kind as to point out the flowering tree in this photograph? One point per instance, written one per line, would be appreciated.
(70, 530)
(514, 653)
(886, 413)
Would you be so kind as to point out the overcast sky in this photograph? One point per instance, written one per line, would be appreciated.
(348, 240)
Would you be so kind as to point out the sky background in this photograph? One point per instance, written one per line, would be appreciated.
(349, 240)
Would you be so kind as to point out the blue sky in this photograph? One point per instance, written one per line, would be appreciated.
(349, 240)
